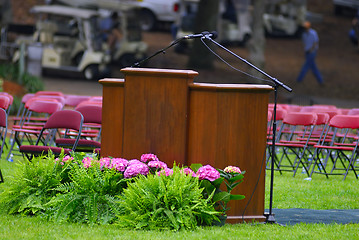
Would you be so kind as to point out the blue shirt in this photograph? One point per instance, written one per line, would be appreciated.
(310, 38)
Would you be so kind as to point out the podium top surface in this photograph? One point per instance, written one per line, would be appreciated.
(229, 87)
(159, 72)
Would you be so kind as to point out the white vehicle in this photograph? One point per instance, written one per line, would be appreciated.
(64, 40)
(152, 12)
(340, 5)
(284, 18)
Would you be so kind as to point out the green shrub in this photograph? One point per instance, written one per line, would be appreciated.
(165, 202)
(88, 196)
(31, 186)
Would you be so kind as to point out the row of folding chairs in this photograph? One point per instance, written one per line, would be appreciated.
(30, 127)
(316, 140)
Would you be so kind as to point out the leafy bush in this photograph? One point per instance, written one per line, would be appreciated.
(89, 196)
(32, 185)
(141, 194)
(11, 73)
(159, 201)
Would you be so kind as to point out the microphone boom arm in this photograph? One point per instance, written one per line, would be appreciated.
(163, 50)
(276, 81)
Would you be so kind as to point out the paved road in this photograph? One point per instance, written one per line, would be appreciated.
(73, 86)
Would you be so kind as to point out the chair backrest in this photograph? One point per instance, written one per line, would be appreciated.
(89, 102)
(345, 121)
(47, 107)
(53, 93)
(26, 97)
(4, 102)
(74, 100)
(3, 125)
(69, 119)
(8, 95)
(60, 99)
(3, 118)
(322, 118)
(300, 118)
(353, 111)
(91, 113)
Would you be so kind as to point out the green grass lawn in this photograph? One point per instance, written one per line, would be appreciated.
(289, 192)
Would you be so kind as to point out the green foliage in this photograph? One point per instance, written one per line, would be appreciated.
(88, 197)
(219, 197)
(11, 73)
(31, 186)
(165, 202)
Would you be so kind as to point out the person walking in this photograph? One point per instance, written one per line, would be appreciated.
(311, 44)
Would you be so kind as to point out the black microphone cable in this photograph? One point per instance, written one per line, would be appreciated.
(234, 68)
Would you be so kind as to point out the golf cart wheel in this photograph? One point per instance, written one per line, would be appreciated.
(91, 72)
(148, 20)
(127, 60)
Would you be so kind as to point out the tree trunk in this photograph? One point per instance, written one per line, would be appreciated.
(206, 20)
(256, 44)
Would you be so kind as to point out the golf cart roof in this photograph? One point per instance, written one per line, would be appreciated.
(64, 11)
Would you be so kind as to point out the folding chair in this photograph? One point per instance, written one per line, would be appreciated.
(11, 100)
(3, 126)
(58, 121)
(29, 128)
(71, 101)
(338, 156)
(5, 103)
(293, 141)
(353, 111)
(91, 132)
(53, 93)
(280, 114)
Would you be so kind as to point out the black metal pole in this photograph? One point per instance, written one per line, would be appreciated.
(270, 217)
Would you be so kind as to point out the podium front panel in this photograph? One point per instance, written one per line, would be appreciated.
(228, 127)
(155, 113)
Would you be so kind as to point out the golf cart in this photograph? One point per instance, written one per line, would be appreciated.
(129, 48)
(284, 18)
(64, 40)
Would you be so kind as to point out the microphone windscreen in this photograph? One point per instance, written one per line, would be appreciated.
(214, 34)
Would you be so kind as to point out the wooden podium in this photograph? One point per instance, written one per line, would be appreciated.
(164, 112)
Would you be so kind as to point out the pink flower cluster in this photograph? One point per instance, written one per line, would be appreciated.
(207, 172)
(232, 169)
(135, 169)
(148, 157)
(166, 171)
(119, 164)
(88, 162)
(157, 164)
(189, 171)
(66, 159)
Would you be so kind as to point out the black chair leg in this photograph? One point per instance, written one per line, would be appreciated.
(1, 178)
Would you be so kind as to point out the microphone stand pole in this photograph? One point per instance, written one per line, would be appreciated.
(163, 50)
(270, 216)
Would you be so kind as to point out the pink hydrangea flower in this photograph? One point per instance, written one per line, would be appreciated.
(119, 164)
(134, 161)
(148, 157)
(166, 171)
(87, 162)
(66, 159)
(135, 169)
(105, 162)
(188, 171)
(232, 169)
(207, 172)
(157, 164)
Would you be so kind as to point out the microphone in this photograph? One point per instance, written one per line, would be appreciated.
(204, 34)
